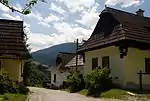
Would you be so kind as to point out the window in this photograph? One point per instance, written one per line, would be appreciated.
(94, 63)
(54, 77)
(21, 68)
(147, 65)
(105, 61)
(0, 66)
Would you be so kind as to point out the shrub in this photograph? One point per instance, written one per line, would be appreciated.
(23, 89)
(7, 84)
(75, 82)
(54, 87)
(98, 80)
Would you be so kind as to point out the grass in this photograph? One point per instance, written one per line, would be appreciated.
(67, 90)
(83, 92)
(13, 97)
(114, 93)
(121, 94)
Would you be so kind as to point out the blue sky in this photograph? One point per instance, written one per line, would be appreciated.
(60, 21)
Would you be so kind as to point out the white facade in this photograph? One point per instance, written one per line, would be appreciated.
(115, 62)
(61, 76)
(125, 69)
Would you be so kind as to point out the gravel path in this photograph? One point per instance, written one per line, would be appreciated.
(41, 94)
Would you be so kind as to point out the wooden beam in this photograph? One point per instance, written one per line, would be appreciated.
(77, 55)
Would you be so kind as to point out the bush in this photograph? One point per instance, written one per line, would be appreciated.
(75, 82)
(6, 83)
(98, 80)
(10, 86)
(23, 89)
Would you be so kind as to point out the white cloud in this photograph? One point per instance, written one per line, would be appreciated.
(89, 18)
(35, 15)
(66, 33)
(4, 8)
(11, 17)
(124, 3)
(77, 5)
(57, 9)
(44, 24)
(51, 18)
(44, 21)
(17, 6)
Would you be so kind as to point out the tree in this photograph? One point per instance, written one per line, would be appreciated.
(27, 64)
(26, 10)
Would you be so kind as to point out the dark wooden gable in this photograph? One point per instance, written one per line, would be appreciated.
(105, 24)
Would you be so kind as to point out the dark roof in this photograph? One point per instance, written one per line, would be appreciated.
(68, 60)
(11, 39)
(72, 62)
(65, 58)
(66, 53)
(129, 27)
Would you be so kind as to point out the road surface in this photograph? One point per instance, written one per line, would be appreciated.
(42, 94)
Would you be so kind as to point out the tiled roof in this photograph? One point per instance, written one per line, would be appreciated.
(68, 60)
(11, 39)
(72, 62)
(130, 27)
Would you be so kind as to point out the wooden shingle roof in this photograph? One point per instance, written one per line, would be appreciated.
(11, 39)
(72, 62)
(127, 26)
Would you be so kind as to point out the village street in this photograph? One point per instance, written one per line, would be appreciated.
(41, 94)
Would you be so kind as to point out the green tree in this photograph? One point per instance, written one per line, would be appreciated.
(26, 10)
(27, 62)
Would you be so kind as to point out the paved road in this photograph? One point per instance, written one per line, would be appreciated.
(41, 94)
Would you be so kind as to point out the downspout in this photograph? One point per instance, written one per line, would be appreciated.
(21, 75)
(77, 55)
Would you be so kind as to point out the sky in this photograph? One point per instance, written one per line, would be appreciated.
(60, 21)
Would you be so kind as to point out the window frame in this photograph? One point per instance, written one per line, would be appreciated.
(147, 66)
(93, 62)
(103, 61)
(0, 65)
(54, 78)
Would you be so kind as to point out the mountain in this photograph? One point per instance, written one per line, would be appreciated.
(48, 56)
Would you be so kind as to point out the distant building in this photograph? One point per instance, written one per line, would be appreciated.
(65, 63)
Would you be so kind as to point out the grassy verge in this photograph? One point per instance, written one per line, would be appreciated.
(67, 90)
(114, 93)
(121, 94)
(13, 97)
(83, 92)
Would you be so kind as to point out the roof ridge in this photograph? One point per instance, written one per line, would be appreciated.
(66, 53)
(11, 20)
(109, 8)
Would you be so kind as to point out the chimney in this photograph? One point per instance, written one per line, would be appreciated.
(140, 12)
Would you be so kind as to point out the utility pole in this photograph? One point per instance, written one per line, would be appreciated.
(77, 55)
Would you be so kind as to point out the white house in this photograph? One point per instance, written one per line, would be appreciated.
(65, 63)
(121, 42)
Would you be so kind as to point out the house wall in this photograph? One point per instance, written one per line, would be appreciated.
(116, 63)
(13, 67)
(135, 61)
(125, 69)
(60, 77)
